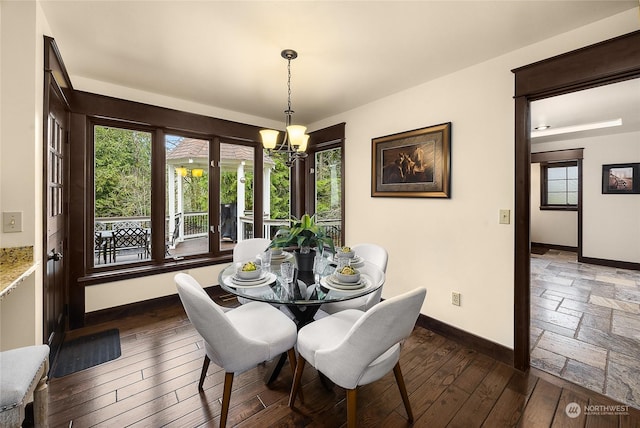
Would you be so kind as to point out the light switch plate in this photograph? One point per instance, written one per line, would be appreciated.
(505, 216)
(12, 221)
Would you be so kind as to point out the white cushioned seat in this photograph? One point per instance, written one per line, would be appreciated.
(353, 348)
(236, 340)
(23, 372)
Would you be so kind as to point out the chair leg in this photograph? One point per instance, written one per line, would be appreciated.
(41, 403)
(296, 380)
(226, 398)
(403, 390)
(205, 367)
(291, 354)
(352, 395)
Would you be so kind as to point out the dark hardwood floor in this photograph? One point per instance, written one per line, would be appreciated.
(154, 383)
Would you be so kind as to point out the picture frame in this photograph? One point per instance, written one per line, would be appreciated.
(412, 164)
(621, 178)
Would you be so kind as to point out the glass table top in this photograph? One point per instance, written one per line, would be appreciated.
(306, 290)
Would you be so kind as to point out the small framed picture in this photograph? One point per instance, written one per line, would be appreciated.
(412, 164)
(622, 178)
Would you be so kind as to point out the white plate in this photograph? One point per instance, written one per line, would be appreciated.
(355, 261)
(331, 285)
(243, 283)
(282, 258)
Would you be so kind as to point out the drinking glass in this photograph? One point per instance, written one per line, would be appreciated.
(287, 271)
(265, 260)
(319, 265)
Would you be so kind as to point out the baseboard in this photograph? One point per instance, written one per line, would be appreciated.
(109, 314)
(555, 247)
(610, 263)
(492, 349)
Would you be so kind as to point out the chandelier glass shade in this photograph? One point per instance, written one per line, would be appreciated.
(294, 143)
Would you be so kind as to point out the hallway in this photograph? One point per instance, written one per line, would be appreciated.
(585, 324)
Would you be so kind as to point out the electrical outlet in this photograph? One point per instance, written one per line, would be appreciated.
(455, 298)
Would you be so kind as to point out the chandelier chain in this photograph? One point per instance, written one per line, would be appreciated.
(289, 111)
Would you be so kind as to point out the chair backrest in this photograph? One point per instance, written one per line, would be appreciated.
(373, 253)
(249, 249)
(134, 237)
(378, 330)
(225, 344)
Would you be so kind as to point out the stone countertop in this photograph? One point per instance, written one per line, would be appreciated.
(15, 265)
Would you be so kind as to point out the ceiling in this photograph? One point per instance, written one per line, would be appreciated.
(604, 103)
(227, 53)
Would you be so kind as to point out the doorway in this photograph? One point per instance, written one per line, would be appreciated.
(585, 319)
(607, 62)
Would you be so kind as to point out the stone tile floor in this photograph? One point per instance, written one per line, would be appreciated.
(585, 324)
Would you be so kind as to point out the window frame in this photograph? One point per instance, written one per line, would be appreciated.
(544, 185)
(88, 108)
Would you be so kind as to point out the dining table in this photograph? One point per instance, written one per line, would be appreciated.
(308, 291)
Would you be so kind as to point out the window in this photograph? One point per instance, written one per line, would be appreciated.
(277, 177)
(559, 189)
(122, 195)
(168, 190)
(187, 194)
(328, 192)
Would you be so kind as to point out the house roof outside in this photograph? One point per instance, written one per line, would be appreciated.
(192, 151)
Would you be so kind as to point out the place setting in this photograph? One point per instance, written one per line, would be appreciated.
(345, 278)
(346, 253)
(250, 274)
(278, 255)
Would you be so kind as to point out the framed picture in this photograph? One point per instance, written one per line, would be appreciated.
(412, 164)
(622, 178)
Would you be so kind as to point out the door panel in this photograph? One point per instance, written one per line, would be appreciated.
(55, 292)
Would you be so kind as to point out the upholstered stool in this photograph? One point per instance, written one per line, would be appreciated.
(23, 372)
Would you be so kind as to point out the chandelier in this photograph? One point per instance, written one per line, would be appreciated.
(295, 140)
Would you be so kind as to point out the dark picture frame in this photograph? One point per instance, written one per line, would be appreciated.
(621, 178)
(412, 164)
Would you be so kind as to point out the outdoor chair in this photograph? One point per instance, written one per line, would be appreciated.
(131, 240)
(354, 348)
(235, 339)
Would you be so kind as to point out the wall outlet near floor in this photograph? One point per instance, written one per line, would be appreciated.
(455, 298)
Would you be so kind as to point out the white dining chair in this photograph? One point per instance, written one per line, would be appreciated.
(238, 339)
(249, 248)
(372, 253)
(354, 348)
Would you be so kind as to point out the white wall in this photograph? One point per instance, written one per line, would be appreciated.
(611, 223)
(22, 28)
(455, 244)
(549, 226)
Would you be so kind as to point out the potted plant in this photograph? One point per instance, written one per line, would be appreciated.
(306, 235)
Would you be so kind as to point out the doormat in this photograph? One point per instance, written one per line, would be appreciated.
(87, 351)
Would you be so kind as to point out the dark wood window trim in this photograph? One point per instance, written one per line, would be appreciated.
(87, 108)
(607, 62)
(544, 182)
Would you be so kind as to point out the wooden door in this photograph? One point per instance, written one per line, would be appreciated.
(55, 289)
